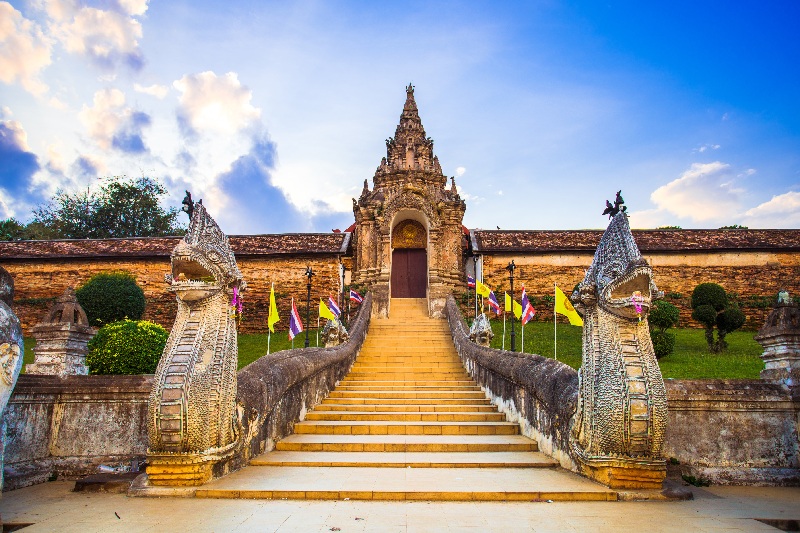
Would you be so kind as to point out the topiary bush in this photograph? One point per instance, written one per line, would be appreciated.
(126, 347)
(110, 297)
(712, 308)
(663, 315)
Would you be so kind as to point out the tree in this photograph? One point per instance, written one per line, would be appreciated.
(663, 316)
(712, 307)
(123, 207)
(109, 297)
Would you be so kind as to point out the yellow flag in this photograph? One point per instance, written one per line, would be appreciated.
(273, 310)
(482, 290)
(507, 307)
(564, 307)
(517, 309)
(324, 312)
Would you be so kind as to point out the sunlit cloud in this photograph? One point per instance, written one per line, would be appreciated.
(111, 123)
(781, 211)
(107, 37)
(705, 192)
(158, 91)
(24, 51)
(219, 104)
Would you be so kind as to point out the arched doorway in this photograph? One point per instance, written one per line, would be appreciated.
(409, 260)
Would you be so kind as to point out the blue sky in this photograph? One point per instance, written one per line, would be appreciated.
(275, 112)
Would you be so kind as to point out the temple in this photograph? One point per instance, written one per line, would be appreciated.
(408, 236)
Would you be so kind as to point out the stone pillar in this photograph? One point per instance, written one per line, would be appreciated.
(780, 337)
(62, 339)
(11, 351)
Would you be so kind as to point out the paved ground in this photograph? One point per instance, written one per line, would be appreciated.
(52, 507)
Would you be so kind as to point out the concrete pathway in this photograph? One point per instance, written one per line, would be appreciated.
(52, 507)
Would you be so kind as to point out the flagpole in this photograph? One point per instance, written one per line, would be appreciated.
(555, 330)
(504, 326)
(522, 327)
(317, 332)
(269, 336)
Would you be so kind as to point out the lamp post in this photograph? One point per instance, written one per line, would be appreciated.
(475, 274)
(511, 266)
(309, 274)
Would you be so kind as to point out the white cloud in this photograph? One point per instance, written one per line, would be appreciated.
(460, 171)
(705, 192)
(706, 147)
(219, 104)
(24, 50)
(159, 91)
(105, 116)
(106, 36)
(19, 138)
(782, 211)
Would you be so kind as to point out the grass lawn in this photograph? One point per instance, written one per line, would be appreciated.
(690, 360)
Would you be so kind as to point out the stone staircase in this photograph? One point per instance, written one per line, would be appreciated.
(407, 423)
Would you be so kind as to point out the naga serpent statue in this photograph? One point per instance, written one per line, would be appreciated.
(11, 350)
(618, 429)
(192, 411)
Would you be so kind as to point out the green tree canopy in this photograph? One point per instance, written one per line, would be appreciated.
(712, 307)
(122, 207)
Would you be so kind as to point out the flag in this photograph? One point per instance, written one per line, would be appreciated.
(470, 282)
(324, 312)
(564, 307)
(333, 307)
(273, 310)
(493, 303)
(517, 308)
(355, 297)
(527, 309)
(507, 307)
(295, 324)
(482, 290)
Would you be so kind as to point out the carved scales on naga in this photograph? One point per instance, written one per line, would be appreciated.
(192, 411)
(618, 429)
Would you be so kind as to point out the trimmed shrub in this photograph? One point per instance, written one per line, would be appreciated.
(110, 297)
(663, 343)
(712, 307)
(126, 347)
(663, 315)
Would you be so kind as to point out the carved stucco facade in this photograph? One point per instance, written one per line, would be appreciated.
(409, 186)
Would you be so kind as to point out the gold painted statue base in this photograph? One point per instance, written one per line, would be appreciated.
(627, 473)
(180, 470)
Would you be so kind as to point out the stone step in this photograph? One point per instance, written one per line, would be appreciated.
(384, 408)
(406, 443)
(421, 383)
(405, 428)
(429, 395)
(393, 416)
(424, 400)
(407, 459)
(416, 484)
(354, 386)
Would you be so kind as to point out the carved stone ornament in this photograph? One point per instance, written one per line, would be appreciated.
(481, 331)
(409, 234)
(618, 429)
(11, 350)
(62, 339)
(334, 333)
(780, 338)
(192, 411)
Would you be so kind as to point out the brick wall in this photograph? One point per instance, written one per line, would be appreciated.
(755, 277)
(38, 282)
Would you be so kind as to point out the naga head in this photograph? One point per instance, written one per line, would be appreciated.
(203, 263)
(619, 281)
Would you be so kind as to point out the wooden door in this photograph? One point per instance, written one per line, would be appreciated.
(409, 273)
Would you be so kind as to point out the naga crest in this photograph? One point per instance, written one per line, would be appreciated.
(334, 333)
(481, 331)
(203, 263)
(619, 425)
(618, 272)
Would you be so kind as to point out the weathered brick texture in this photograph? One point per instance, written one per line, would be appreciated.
(37, 283)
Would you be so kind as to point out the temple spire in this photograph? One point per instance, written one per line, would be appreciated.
(410, 149)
